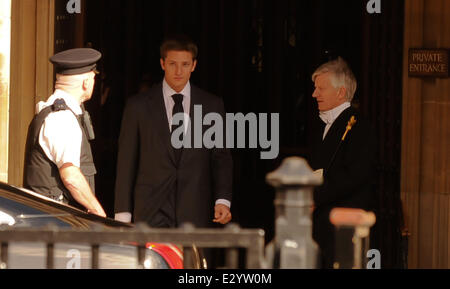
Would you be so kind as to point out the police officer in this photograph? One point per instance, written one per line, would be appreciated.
(58, 157)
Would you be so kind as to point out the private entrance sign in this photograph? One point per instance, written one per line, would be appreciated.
(428, 62)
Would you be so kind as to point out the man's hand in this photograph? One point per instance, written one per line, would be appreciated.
(318, 173)
(124, 217)
(100, 212)
(222, 214)
(74, 180)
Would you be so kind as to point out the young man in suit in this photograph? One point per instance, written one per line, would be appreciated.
(347, 165)
(157, 183)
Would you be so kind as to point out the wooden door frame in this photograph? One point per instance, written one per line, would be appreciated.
(424, 177)
(5, 57)
(32, 38)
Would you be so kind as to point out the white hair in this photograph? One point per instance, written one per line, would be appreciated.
(341, 76)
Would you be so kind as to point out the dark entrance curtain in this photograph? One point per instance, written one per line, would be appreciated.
(381, 88)
(258, 56)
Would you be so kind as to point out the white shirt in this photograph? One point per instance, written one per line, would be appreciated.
(170, 103)
(330, 116)
(60, 136)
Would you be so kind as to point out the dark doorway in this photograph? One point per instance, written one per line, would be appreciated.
(258, 56)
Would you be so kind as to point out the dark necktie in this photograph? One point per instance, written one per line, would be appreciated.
(177, 108)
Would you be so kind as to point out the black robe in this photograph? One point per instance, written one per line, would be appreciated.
(348, 180)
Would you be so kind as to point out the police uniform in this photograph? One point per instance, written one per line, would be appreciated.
(60, 133)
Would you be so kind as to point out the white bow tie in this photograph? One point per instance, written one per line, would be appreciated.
(326, 117)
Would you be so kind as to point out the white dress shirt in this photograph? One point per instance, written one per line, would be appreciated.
(330, 116)
(170, 103)
(60, 136)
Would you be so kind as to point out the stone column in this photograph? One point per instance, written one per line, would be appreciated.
(293, 246)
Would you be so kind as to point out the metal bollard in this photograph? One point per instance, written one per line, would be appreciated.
(189, 252)
(232, 254)
(293, 246)
(352, 237)
(4, 255)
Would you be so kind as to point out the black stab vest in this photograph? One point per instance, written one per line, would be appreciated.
(40, 173)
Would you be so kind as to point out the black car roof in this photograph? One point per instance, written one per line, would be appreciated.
(69, 209)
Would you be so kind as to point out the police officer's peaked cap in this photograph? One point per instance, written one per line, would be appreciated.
(75, 61)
